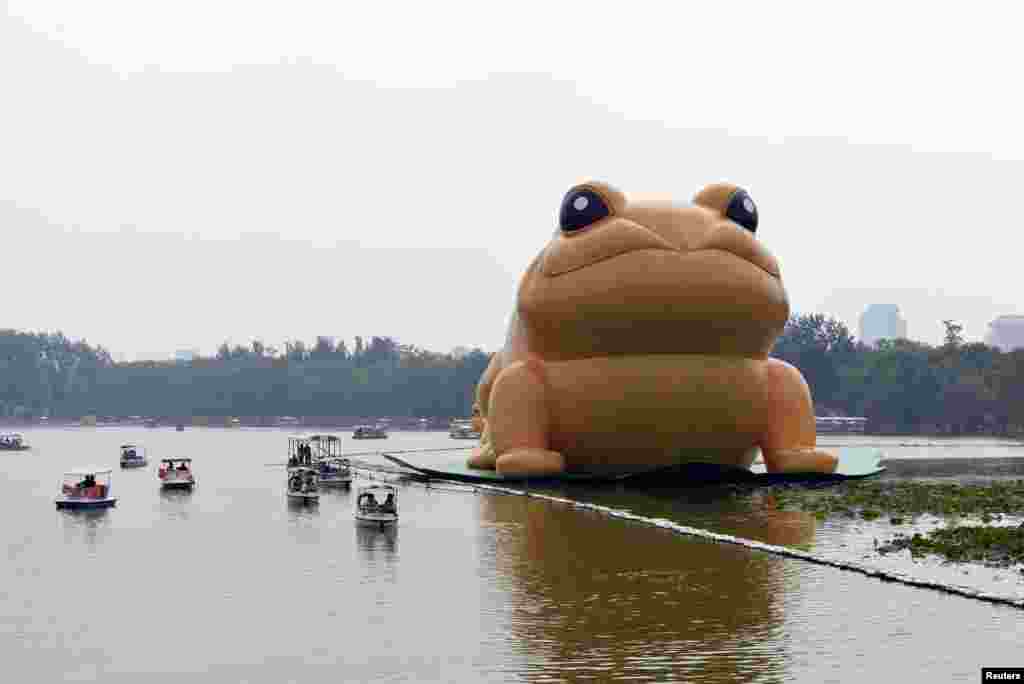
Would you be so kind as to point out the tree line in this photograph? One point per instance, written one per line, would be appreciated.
(48, 374)
(900, 386)
(903, 386)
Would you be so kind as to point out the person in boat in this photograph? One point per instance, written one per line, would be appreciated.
(389, 504)
(182, 466)
(83, 487)
(367, 502)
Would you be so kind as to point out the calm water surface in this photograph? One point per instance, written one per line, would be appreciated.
(231, 583)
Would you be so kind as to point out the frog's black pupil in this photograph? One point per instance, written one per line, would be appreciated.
(742, 210)
(580, 208)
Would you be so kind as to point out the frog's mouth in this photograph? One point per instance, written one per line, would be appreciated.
(573, 253)
(564, 257)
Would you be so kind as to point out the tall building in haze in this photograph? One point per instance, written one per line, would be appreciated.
(1006, 332)
(882, 322)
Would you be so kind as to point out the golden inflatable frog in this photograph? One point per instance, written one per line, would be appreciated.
(640, 339)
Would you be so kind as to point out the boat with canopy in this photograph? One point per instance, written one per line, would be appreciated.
(176, 473)
(377, 504)
(86, 488)
(133, 456)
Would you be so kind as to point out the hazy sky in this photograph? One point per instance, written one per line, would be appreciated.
(178, 176)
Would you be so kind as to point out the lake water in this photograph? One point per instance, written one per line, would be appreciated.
(231, 583)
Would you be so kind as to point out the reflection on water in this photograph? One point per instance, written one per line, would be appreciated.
(175, 503)
(87, 526)
(599, 598)
(377, 544)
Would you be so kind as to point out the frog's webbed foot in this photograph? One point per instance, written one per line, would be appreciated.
(789, 443)
(530, 461)
(482, 457)
(517, 422)
(799, 460)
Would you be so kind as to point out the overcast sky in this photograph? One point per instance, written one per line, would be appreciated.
(175, 177)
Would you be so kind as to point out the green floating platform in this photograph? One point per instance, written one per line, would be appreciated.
(854, 462)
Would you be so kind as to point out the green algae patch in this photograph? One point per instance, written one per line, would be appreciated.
(999, 546)
(902, 501)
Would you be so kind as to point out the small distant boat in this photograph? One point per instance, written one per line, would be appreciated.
(462, 429)
(179, 427)
(133, 456)
(377, 504)
(369, 432)
(176, 473)
(152, 423)
(86, 488)
(12, 441)
(303, 484)
(234, 422)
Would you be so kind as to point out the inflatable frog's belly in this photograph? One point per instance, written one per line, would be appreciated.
(618, 412)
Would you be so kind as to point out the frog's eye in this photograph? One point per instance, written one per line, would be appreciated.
(580, 208)
(742, 210)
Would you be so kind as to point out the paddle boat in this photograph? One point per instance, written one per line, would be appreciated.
(303, 484)
(176, 473)
(377, 504)
(369, 432)
(334, 469)
(300, 451)
(133, 456)
(335, 472)
(12, 441)
(86, 488)
(462, 429)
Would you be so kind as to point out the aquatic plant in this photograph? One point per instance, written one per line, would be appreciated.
(999, 546)
(907, 499)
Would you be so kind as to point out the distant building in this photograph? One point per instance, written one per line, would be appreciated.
(1006, 332)
(882, 322)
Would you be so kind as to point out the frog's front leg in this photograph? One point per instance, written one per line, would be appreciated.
(518, 422)
(789, 444)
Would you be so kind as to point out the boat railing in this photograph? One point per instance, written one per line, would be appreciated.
(97, 491)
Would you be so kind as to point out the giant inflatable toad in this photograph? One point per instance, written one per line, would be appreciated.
(640, 339)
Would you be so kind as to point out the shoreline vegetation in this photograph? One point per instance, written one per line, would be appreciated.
(901, 387)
